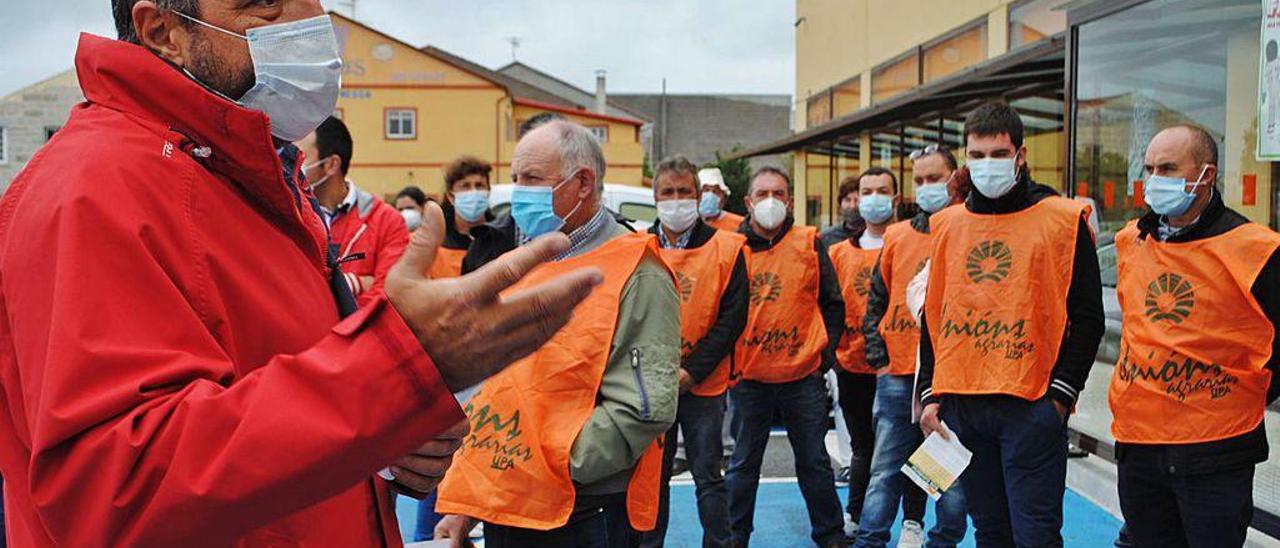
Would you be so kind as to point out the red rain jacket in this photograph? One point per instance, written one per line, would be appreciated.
(372, 237)
(171, 370)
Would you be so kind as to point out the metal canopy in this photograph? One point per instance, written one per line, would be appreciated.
(1037, 70)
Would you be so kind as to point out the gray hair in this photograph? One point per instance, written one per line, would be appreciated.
(675, 165)
(122, 10)
(579, 149)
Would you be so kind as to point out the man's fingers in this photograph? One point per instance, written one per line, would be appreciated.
(417, 483)
(423, 244)
(491, 279)
(438, 448)
(549, 302)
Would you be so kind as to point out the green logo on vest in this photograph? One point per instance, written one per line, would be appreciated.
(1170, 298)
(989, 261)
(685, 285)
(765, 287)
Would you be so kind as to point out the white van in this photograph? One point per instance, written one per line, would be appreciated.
(633, 202)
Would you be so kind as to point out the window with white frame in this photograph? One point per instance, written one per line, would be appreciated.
(601, 133)
(402, 123)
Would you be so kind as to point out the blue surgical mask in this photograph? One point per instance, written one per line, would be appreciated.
(933, 197)
(1169, 195)
(875, 208)
(297, 71)
(472, 204)
(533, 209)
(993, 177)
(709, 206)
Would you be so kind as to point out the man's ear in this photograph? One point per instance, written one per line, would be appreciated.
(333, 166)
(160, 31)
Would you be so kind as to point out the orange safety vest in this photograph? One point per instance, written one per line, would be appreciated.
(1195, 343)
(785, 336)
(906, 250)
(448, 263)
(728, 222)
(997, 298)
(513, 468)
(702, 275)
(854, 266)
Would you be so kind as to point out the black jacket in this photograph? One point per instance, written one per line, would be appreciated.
(1085, 321)
(878, 305)
(830, 299)
(731, 319)
(453, 238)
(844, 231)
(1247, 449)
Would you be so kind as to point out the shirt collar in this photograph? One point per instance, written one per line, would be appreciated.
(348, 202)
(682, 241)
(585, 233)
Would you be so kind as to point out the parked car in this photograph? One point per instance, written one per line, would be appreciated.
(633, 202)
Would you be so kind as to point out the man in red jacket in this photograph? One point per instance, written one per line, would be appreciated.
(369, 233)
(172, 364)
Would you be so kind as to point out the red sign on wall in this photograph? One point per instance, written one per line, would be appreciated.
(1249, 190)
(1139, 199)
(1108, 194)
(1082, 189)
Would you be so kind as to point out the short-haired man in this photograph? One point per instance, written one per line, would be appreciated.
(711, 275)
(715, 195)
(466, 206)
(1012, 319)
(893, 337)
(795, 321)
(854, 247)
(1199, 286)
(370, 235)
(565, 445)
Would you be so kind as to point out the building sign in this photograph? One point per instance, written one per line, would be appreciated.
(1269, 83)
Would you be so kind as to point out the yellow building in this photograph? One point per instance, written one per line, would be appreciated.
(1093, 80)
(412, 111)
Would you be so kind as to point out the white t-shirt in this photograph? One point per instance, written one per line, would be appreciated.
(868, 241)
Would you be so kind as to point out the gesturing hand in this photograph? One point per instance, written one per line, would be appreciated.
(467, 327)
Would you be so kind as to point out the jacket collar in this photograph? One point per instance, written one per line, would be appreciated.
(758, 242)
(1149, 223)
(128, 78)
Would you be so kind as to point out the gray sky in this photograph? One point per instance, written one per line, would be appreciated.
(700, 46)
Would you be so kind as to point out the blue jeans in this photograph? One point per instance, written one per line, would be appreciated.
(804, 411)
(896, 439)
(1015, 482)
(427, 518)
(700, 418)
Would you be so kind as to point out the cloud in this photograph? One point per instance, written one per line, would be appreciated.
(702, 46)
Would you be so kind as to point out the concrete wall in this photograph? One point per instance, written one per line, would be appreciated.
(699, 125)
(26, 113)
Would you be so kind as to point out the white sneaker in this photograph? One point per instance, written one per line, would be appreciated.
(912, 535)
(850, 527)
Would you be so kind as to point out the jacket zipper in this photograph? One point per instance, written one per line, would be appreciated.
(644, 394)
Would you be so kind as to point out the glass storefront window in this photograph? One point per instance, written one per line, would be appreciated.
(848, 97)
(895, 78)
(1033, 21)
(1158, 64)
(818, 109)
(963, 50)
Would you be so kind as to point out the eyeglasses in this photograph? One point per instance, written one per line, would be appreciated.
(931, 149)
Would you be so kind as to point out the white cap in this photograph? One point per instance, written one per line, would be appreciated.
(712, 176)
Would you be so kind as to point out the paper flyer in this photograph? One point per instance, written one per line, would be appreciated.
(937, 463)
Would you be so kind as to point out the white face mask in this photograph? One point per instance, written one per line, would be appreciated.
(318, 182)
(412, 219)
(994, 177)
(678, 215)
(769, 212)
(297, 71)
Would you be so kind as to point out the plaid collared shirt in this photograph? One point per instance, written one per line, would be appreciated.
(682, 241)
